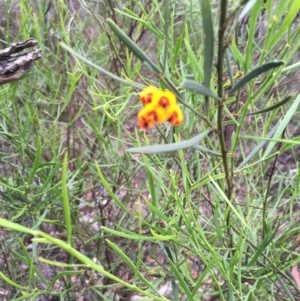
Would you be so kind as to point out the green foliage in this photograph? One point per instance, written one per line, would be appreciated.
(206, 210)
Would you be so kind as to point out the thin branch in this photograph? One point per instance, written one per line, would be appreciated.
(14, 63)
(220, 83)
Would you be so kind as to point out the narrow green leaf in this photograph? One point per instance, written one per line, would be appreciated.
(203, 149)
(251, 31)
(124, 257)
(37, 160)
(180, 278)
(193, 60)
(16, 227)
(208, 267)
(11, 282)
(224, 197)
(282, 125)
(65, 199)
(292, 142)
(199, 89)
(286, 288)
(162, 237)
(132, 46)
(19, 213)
(254, 73)
(167, 44)
(264, 244)
(100, 69)
(151, 183)
(271, 108)
(229, 65)
(135, 236)
(108, 189)
(171, 147)
(246, 9)
(290, 15)
(148, 24)
(257, 148)
(81, 257)
(238, 56)
(131, 264)
(208, 39)
(178, 275)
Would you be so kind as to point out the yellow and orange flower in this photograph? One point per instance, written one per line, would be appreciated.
(159, 106)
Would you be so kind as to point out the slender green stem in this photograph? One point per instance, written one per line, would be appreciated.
(220, 83)
(270, 178)
(220, 69)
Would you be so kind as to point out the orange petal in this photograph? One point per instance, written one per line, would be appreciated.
(142, 124)
(147, 94)
(163, 114)
(147, 115)
(176, 116)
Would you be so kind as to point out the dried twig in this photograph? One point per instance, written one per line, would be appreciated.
(14, 62)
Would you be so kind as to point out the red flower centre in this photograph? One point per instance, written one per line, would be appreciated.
(174, 119)
(164, 102)
(147, 98)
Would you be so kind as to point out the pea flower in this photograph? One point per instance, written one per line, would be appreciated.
(159, 106)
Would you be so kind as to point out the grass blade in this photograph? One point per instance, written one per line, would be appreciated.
(246, 9)
(134, 236)
(224, 197)
(109, 190)
(257, 148)
(81, 257)
(254, 73)
(131, 264)
(271, 108)
(208, 40)
(206, 150)
(288, 19)
(177, 274)
(132, 46)
(282, 125)
(100, 69)
(65, 199)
